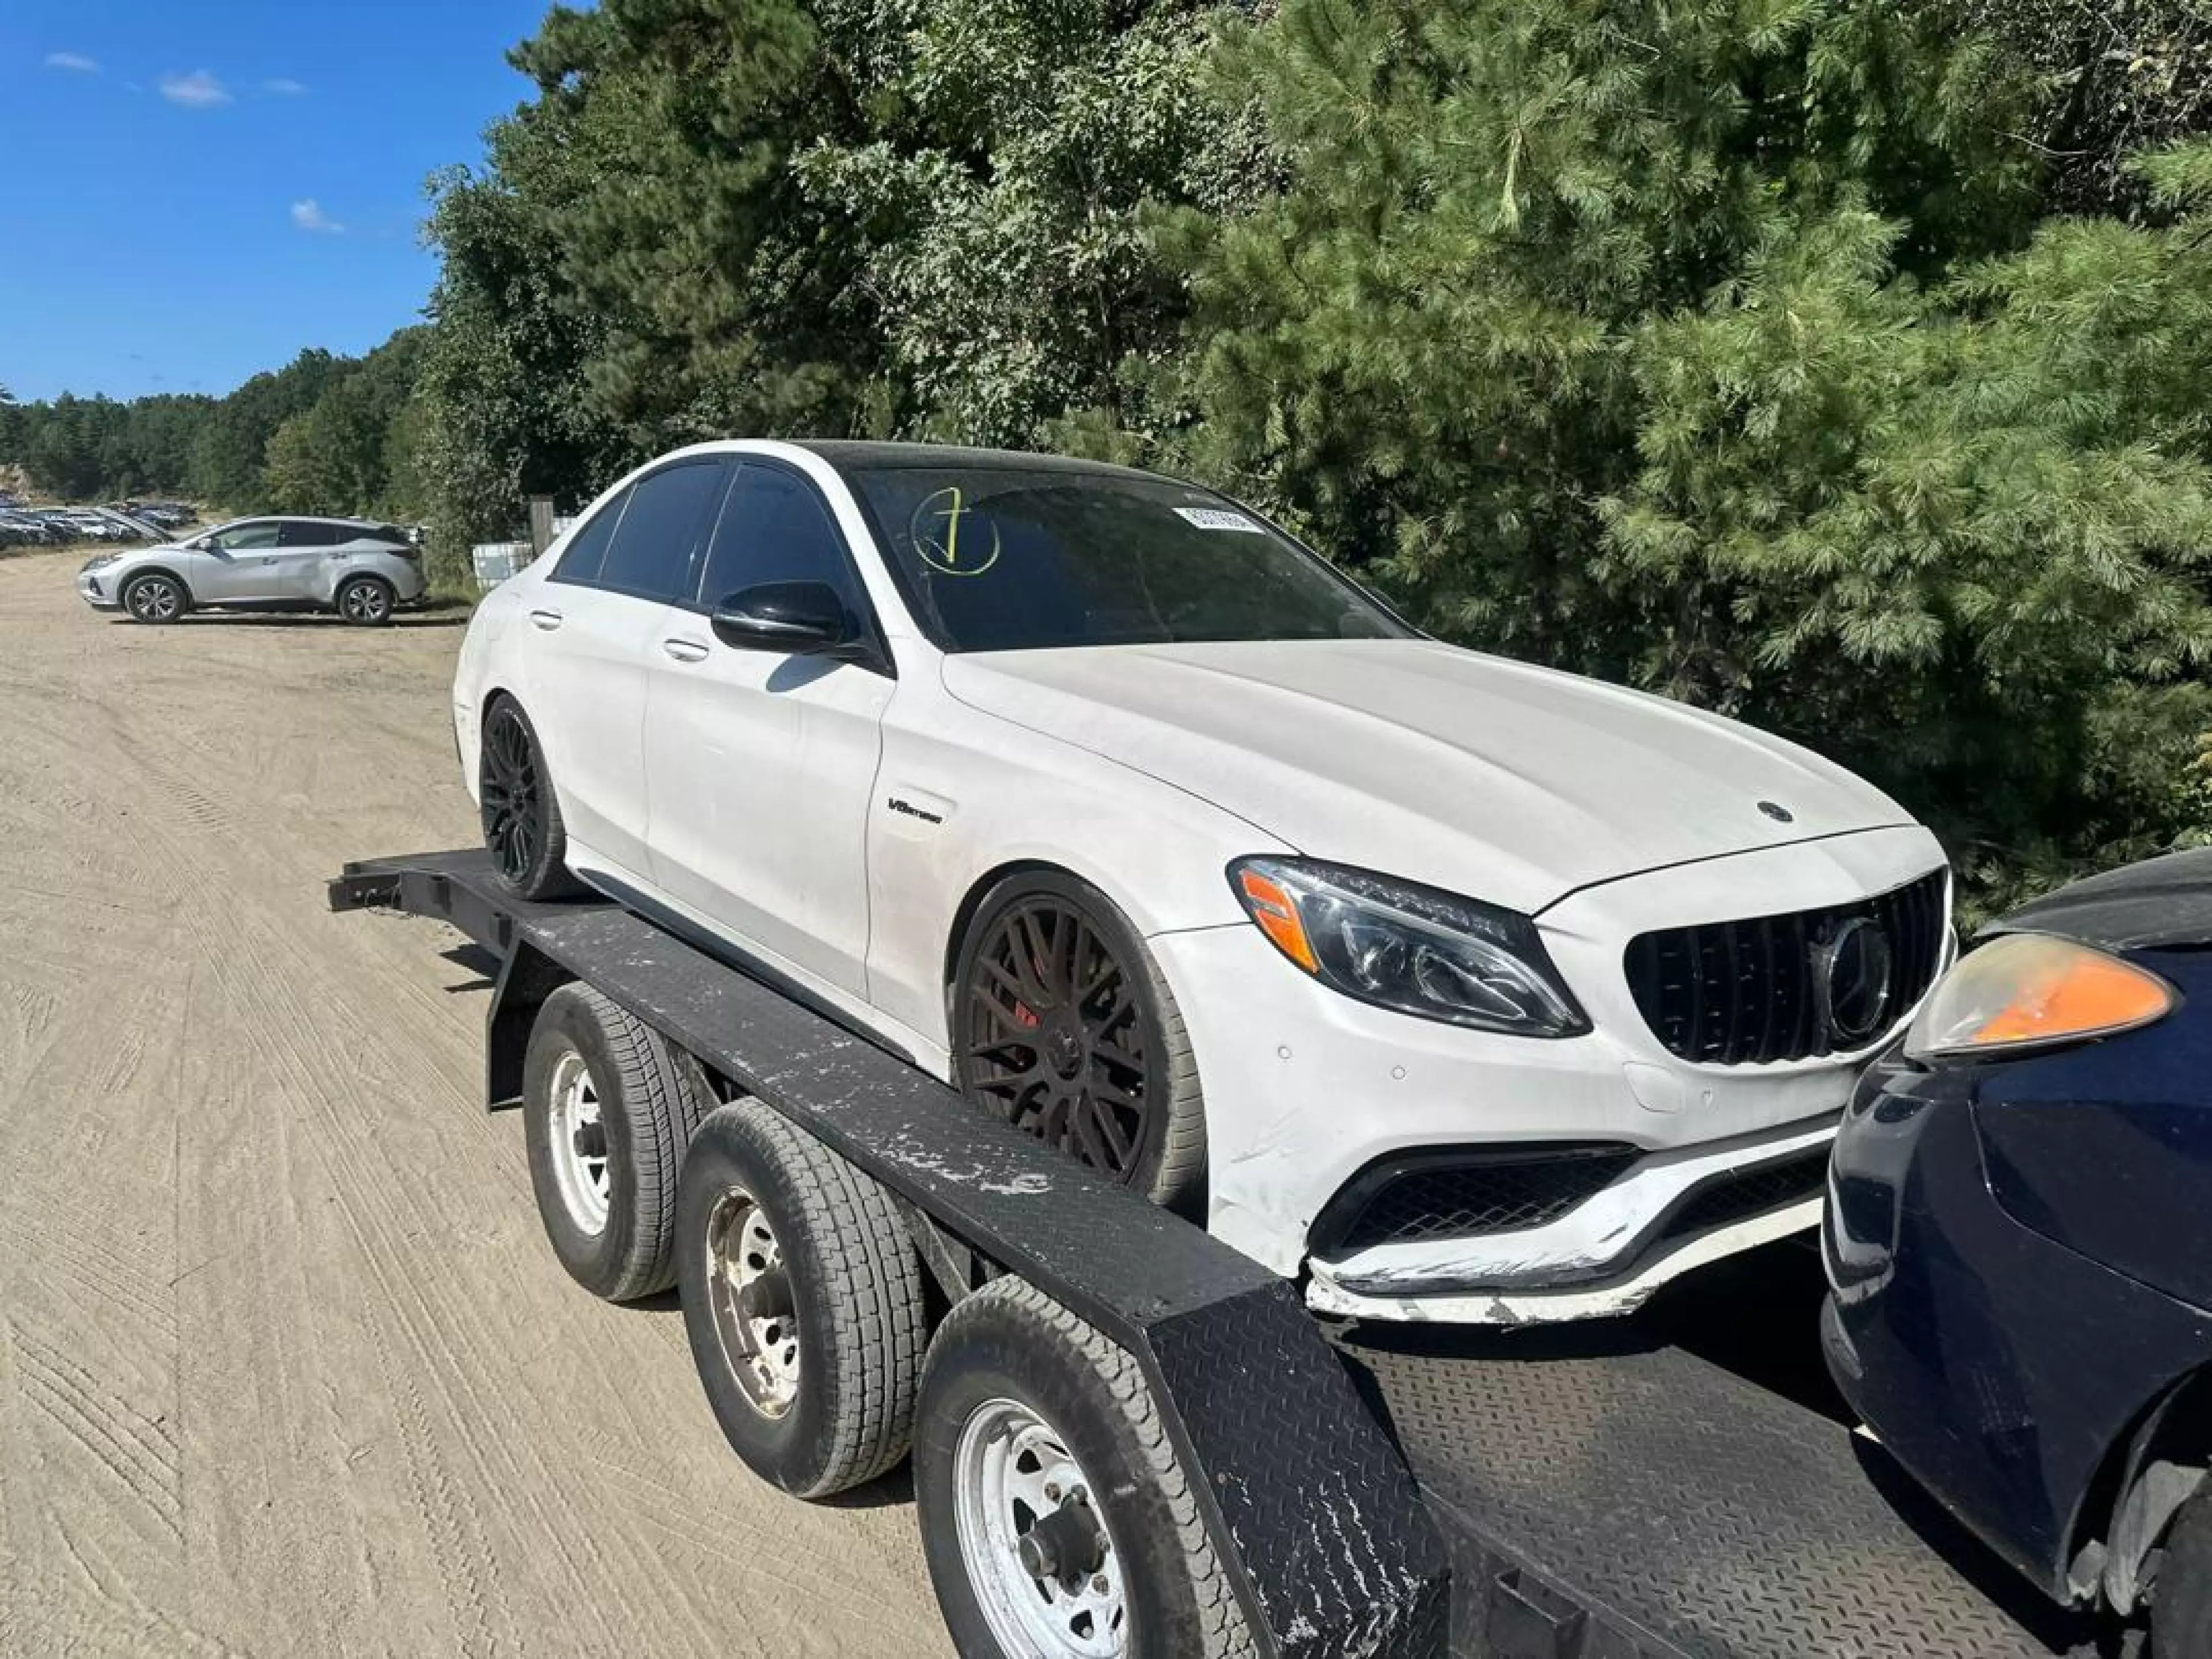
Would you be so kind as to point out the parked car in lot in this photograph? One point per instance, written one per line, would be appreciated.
(361, 569)
(2019, 1245)
(1475, 991)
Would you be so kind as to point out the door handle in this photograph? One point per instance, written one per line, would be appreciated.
(548, 620)
(685, 650)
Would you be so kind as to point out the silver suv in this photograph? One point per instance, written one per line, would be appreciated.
(362, 570)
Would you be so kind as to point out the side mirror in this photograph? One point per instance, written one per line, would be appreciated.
(804, 619)
(204, 544)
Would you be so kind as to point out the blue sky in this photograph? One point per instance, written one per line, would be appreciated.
(192, 190)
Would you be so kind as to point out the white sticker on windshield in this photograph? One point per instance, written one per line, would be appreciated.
(1215, 518)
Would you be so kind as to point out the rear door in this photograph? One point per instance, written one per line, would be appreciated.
(303, 548)
(595, 621)
(761, 765)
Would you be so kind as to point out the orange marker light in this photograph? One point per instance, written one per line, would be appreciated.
(2082, 993)
(1277, 916)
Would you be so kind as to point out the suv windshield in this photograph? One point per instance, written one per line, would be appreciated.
(1006, 558)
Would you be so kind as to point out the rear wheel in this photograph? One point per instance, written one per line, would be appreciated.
(609, 1109)
(366, 601)
(1062, 1025)
(521, 813)
(155, 597)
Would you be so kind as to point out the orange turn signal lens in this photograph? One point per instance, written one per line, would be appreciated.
(2025, 990)
(1277, 914)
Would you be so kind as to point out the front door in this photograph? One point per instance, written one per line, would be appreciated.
(237, 562)
(760, 765)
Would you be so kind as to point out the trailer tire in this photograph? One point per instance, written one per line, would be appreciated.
(2181, 1600)
(609, 1106)
(1010, 1346)
(803, 1301)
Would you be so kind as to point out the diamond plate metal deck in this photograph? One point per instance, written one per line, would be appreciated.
(1660, 1505)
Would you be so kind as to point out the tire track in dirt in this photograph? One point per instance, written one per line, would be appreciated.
(396, 1425)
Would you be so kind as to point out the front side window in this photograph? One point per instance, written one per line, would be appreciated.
(775, 527)
(660, 529)
(1010, 558)
(261, 532)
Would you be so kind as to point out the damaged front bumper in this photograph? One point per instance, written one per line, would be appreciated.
(1669, 1214)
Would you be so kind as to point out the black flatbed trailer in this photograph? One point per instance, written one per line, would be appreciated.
(1591, 1492)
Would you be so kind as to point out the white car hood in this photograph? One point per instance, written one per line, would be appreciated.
(1489, 778)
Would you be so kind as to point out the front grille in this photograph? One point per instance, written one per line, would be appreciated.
(1747, 1192)
(1742, 993)
(1466, 1195)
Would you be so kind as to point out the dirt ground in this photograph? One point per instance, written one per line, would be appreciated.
(285, 1365)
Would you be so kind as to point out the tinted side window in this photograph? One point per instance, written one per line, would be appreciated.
(296, 533)
(775, 527)
(262, 532)
(651, 555)
(581, 559)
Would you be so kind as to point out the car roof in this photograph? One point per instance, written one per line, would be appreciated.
(857, 453)
(308, 518)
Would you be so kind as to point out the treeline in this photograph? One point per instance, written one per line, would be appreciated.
(324, 433)
(1843, 366)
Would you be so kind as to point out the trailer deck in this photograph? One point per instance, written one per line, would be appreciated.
(1578, 1493)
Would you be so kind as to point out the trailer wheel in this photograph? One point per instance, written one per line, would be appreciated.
(1054, 1513)
(803, 1302)
(608, 1108)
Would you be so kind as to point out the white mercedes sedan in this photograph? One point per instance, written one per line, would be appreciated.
(1456, 988)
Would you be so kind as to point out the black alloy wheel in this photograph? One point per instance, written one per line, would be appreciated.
(511, 793)
(1056, 1037)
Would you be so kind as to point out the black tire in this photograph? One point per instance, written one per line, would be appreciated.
(649, 1100)
(850, 1299)
(155, 597)
(1165, 1158)
(2181, 1599)
(1011, 1342)
(365, 601)
(518, 806)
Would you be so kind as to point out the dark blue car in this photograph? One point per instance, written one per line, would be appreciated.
(2019, 1245)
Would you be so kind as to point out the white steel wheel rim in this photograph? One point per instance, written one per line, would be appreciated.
(749, 1290)
(1011, 1470)
(579, 1137)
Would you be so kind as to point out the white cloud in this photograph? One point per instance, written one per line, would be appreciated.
(308, 215)
(198, 90)
(72, 60)
(285, 87)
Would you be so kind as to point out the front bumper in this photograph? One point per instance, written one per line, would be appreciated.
(1306, 1089)
(95, 588)
(2002, 1368)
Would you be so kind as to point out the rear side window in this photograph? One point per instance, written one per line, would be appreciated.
(297, 532)
(651, 554)
(775, 527)
(587, 548)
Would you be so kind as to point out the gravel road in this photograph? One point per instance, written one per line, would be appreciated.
(285, 1366)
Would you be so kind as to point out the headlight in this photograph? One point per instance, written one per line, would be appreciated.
(100, 561)
(2029, 991)
(1399, 945)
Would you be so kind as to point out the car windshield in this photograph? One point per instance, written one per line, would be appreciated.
(1008, 558)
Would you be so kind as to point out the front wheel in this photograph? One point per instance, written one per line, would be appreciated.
(365, 602)
(154, 597)
(1062, 1025)
(2181, 1597)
